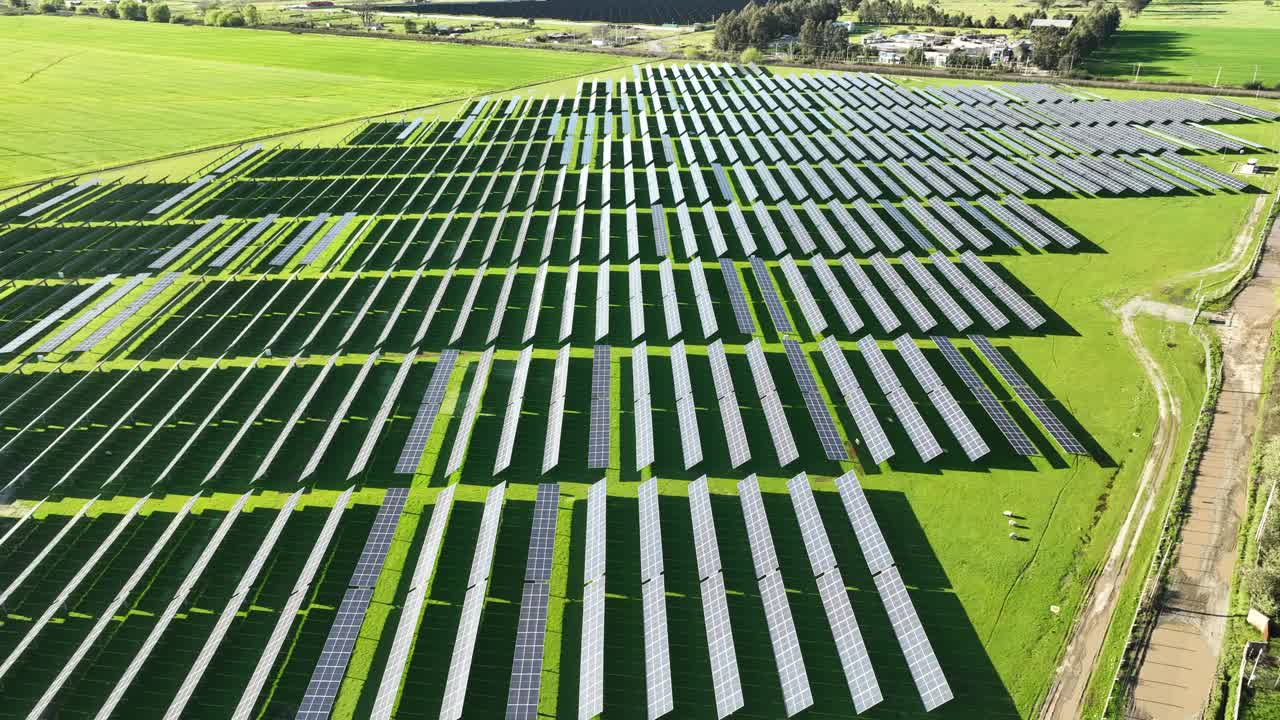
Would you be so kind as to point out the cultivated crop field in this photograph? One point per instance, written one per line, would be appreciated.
(317, 431)
(192, 87)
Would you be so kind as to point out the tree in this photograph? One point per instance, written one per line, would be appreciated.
(365, 9)
(50, 7)
(109, 11)
(915, 56)
(251, 15)
(158, 13)
(811, 39)
(410, 27)
(131, 10)
(692, 53)
(749, 56)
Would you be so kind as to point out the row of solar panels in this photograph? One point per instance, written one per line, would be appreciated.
(842, 122)
(525, 682)
(867, 422)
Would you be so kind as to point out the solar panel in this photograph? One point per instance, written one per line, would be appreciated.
(690, 437)
(808, 306)
(757, 524)
(591, 674)
(411, 611)
(651, 565)
(726, 682)
(60, 198)
(863, 416)
(472, 409)
(253, 233)
(922, 318)
(921, 660)
(812, 532)
(181, 195)
(657, 649)
(327, 239)
(917, 430)
(704, 529)
(770, 296)
(469, 625)
(289, 250)
(990, 314)
(965, 433)
(369, 566)
(836, 294)
(702, 297)
(598, 440)
(542, 538)
(874, 549)
(428, 409)
(636, 300)
(919, 366)
(759, 368)
(511, 420)
(796, 694)
(737, 297)
(870, 294)
(103, 331)
(526, 667)
(849, 643)
(331, 667)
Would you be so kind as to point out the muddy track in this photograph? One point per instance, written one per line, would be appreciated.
(1067, 692)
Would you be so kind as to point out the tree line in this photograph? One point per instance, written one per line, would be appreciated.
(756, 25)
(1055, 49)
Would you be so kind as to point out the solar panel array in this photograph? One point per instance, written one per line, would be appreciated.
(917, 430)
(591, 660)
(330, 669)
(515, 403)
(643, 409)
(779, 430)
(796, 693)
(455, 689)
(828, 436)
(727, 398)
(1057, 430)
(850, 646)
(428, 409)
(726, 682)
(947, 166)
(657, 651)
(411, 609)
(526, 667)
(921, 660)
(957, 422)
(598, 438)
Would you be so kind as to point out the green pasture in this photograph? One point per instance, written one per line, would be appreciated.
(81, 93)
(1228, 42)
(984, 599)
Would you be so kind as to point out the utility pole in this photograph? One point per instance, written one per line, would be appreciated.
(1137, 70)
(1217, 77)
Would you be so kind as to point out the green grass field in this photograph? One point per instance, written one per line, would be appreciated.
(81, 93)
(1192, 40)
(984, 598)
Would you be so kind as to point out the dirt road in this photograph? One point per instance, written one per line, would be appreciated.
(1178, 663)
(1175, 675)
(1067, 693)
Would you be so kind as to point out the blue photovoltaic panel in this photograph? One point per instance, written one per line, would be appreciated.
(737, 297)
(598, 438)
(999, 416)
(322, 690)
(429, 408)
(769, 293)
(1034, 403)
